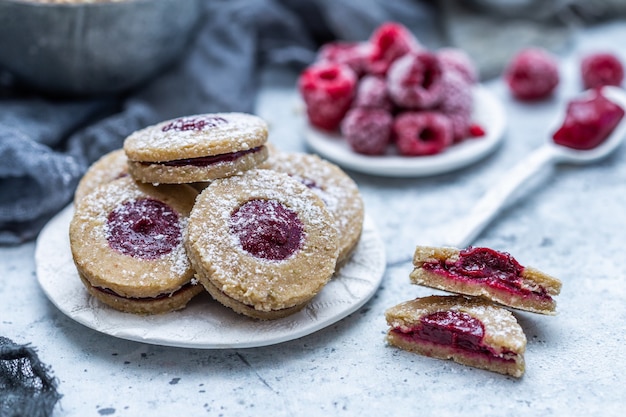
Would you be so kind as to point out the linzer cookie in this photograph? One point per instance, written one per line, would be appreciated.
(262, 243)
(197, 148)
(486, 273)
(111, 166)
(336, 189)
(473, 332)
(127, 243)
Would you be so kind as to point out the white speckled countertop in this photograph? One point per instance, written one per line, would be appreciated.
(569, 222)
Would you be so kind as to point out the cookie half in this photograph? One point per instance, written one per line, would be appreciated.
(337, 190)
(197, 148)
(127, 244)
(109, 167)
(486, 273)
(472, 332)
(262, 243)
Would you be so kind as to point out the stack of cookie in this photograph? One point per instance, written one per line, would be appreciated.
(471, 328)
(204, 203)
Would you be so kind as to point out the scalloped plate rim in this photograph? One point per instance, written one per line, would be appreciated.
(59, 281)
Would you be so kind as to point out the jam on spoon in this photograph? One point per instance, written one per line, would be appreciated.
(588, 121)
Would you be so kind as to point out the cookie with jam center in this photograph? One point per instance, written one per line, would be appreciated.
(109, 167)
(196, 148)
(262, 243)
(472, 332)
(337, 190)
(126, 240)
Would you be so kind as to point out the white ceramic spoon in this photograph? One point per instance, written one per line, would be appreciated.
(492, 202)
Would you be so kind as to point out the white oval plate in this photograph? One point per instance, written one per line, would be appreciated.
(205, 323)
(488, 113)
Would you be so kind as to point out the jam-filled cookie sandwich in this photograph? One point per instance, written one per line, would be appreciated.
(197, 148)
(472, 332)
(110, 166)
(262, 243)
(486, 273)
(127, 243)
(337, 190)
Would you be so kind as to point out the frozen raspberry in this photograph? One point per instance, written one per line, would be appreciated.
(327, 90)
(461, 123)
(352, 54)
(601, 69)
(372, 92)
(415, 81)
(532, 74)
(389, 42)
(456, 60)
(422, 133)
(367, 131)
(457, 103)
(588, 121)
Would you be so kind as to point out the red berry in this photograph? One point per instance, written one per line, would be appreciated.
(327, 90)
(372, 92)
(601, 69)
(457, 60)
(352, 54)
(367, 130)
(588, 121)
(476, 130)
(389, 42)
(422, 133)
(457, 103)
(532, 74)
(415, 81)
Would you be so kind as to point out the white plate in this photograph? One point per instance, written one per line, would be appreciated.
(488, 113)
(205, 323)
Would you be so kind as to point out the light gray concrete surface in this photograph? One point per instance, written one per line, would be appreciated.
(569, 222)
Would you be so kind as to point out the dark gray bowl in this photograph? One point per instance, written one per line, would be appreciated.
(93, 48)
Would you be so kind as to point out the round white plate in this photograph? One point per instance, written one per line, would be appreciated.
(205, 323)
(488, 113)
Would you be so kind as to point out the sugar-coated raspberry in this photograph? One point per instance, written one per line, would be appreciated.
(532, 74)
(327, 90)
(389, 42)
(457, 103)
(372, 92)
(420, 133)
(457, 60)
(352, 54)
(589, 120)
(600, 69)
(415, 81)
(461, 123)
(367, 130)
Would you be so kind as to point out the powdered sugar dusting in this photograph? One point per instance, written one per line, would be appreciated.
(336, 189)
(240, 130)
(93, 212)
(264, 283)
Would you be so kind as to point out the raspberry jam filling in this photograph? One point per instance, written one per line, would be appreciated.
(162, 296)
(205, 161)
(495, 269)
(451, 328)
(194, 123)
(144, 229)
(267, 229)
(588, 122)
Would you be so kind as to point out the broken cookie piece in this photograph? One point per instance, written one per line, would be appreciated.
(486, 273)
(472, 332)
